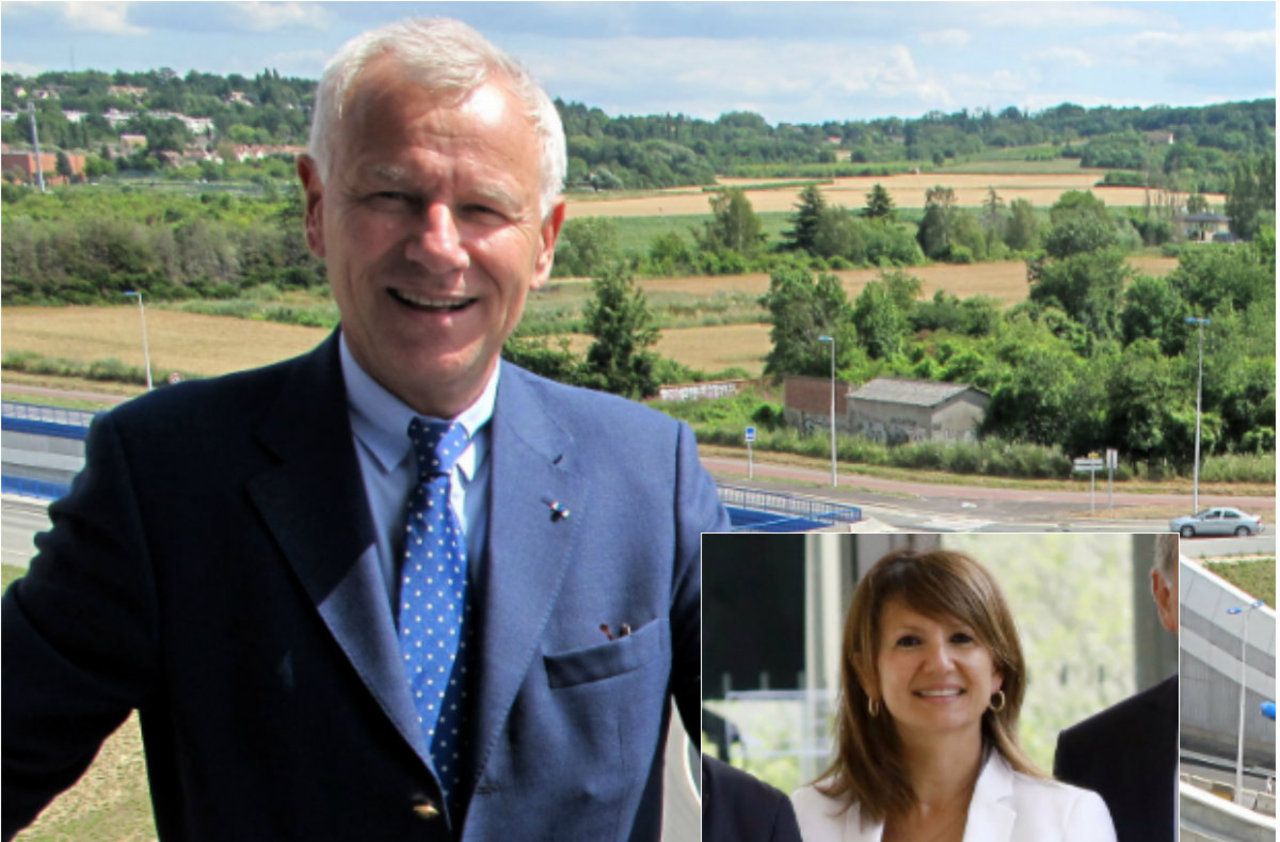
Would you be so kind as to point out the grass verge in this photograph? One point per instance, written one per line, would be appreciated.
(1256, 577)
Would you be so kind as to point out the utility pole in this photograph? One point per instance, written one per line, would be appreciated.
(831, 340)
(35, 141)
(1195, 476)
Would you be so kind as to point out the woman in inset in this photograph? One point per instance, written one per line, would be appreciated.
(932, 680)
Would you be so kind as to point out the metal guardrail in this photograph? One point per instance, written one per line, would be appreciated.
(790, 505)
(47, 414)
(37, 488)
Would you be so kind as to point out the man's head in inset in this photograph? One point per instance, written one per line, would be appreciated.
(433, 185)
(1164, 581)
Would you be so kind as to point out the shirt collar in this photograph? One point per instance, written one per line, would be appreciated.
(380, 420)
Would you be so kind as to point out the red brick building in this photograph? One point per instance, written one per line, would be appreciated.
(21, 166)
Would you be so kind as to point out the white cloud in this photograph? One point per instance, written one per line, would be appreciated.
(1218, 42)
(945, 38)
(1071, 16)
(777, 76)
(1070, 56)
(269, 17)
(106, 18)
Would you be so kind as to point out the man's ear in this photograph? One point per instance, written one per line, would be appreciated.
(313, 186)
(549, 232)
(1165, 595)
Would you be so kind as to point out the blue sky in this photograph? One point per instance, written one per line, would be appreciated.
(794, 62)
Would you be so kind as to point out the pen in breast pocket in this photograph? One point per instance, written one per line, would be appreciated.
(623, 631)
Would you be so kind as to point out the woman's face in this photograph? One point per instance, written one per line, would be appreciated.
(935, 677)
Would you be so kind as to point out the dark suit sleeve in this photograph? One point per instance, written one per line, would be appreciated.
(78, 641)
(737, 807)
(698, 510)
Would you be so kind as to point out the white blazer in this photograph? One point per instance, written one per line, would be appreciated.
(1007, 806)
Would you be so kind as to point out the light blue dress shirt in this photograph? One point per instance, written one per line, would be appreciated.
(380, 430)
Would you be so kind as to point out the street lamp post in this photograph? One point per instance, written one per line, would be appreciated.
(146, 349)
(1195, 475)
(1244, 642)
(831, 340)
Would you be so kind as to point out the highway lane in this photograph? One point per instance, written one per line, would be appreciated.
(20, 519)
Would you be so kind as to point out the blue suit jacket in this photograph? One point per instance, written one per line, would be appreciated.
(213, 567)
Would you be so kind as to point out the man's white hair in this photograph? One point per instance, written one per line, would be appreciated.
(443, 56)
(1166, 560)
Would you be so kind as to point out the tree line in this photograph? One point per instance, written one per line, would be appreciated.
(630, 151)
(1097, 356)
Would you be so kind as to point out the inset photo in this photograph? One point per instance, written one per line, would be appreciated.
(1018, 687)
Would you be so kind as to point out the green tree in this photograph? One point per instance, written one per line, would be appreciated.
(669, 254)
(1086, 286)
(992, 210)
(1154, 310)
(879, 204)
(618, 317)
(1036, 400)
(1238, 276)
(880, 320)
(734, 226)
(587, 247)
(1251, 196)
(1079, 222)
(804, 223)
(934, 233)
(1144, 392)
(1022, 229)
(62, 165)
(802, 308)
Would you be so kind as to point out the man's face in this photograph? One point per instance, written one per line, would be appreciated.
(431, 231)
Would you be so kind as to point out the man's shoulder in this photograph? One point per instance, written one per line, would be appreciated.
(1138, 712)
(236, 397)
(578, 406)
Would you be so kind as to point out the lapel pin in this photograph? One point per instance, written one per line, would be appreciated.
(558, 510)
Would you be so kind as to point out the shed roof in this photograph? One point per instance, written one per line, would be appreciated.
(913, 392)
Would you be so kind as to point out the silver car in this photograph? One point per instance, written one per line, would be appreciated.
(1222, 520)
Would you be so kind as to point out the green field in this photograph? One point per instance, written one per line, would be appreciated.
(1257, 578)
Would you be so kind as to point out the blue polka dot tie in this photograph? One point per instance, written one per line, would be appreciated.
(434, 609)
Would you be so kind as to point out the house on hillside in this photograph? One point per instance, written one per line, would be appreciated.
(895, 411)
(1203, 227)
(806, 403)
(23, 166)
(887, 409)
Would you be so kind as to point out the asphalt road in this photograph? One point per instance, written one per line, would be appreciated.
(20, 519)
(904, 504)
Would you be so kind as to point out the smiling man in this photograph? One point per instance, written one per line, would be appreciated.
(395, 588)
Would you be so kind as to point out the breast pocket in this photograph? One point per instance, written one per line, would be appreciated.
(606, 660)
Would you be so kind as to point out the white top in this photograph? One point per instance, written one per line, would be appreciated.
(1007, 806)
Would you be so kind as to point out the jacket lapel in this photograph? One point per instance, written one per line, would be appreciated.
(313, 503)
(529, 546)
(991, 817)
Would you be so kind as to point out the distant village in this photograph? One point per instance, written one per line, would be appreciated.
(22, 164)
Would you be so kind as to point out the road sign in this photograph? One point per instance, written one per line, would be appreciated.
(1086, 465)
(751, 434)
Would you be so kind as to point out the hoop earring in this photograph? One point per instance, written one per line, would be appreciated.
(996, 708)
(873, 707)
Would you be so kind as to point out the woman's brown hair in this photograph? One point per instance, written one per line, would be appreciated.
(868, 767)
